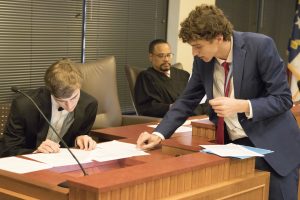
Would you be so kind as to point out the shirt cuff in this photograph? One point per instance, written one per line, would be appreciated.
(159, 135)
(249, 114)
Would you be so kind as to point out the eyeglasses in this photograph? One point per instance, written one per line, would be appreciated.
(164, 55)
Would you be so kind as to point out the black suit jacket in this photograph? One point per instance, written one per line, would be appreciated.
(26, 128)
(259, 75)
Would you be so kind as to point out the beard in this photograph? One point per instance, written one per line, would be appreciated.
(165, 67)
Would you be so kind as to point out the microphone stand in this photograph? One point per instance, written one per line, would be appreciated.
(16, 90)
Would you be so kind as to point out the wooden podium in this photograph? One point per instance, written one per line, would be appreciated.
(176, 170)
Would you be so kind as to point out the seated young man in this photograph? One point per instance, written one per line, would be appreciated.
(70, 111)
(158, 87)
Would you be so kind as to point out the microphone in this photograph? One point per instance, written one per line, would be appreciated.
(16, 90)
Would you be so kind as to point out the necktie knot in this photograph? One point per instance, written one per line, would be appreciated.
(226, 67)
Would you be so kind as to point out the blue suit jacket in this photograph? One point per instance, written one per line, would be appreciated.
(259, 75)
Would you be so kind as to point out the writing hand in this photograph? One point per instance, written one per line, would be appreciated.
(85, 142)
(48, 146)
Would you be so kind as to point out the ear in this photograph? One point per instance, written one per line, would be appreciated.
(150, 56)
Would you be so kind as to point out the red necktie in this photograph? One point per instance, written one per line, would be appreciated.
(220, 125)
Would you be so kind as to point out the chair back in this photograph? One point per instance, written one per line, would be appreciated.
(178, 65)
(131, 75)
(99, 80)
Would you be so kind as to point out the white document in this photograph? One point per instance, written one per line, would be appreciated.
(114, 150)
(189, 122)
(180, 129)
(230, 150)
(19, 165)
(62, 158)
(106, 151)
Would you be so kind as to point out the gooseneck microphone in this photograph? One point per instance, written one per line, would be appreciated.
(16, 90)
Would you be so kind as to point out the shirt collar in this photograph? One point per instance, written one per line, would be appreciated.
(54, 103)
(230, 55)
(167, 73)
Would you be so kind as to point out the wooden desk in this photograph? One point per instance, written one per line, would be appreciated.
(192, 175)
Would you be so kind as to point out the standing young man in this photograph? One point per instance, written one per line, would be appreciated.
(71, 112)
(254, 99)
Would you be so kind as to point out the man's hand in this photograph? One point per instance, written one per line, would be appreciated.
(85, 142)
(48, 146)
(225, 106)
(147, 141)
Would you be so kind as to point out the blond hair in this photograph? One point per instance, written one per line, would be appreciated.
(62, 78)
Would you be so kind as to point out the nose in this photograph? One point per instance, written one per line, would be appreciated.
(68, 105)
(166, 58)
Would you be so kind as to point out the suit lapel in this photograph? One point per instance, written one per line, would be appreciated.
(78, 117)
(209, 70)
(238, 64)
(45, 104)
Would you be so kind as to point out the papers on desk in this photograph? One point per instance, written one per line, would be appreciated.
(62, 158)
(235, 151)
(185, 127)
(106, 151)
(115, 150)
(180, 129)
(19, 165)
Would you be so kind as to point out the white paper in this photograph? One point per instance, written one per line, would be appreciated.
(115, 150)
(19, 165)
(106, 151)
(62, 158)
(230, 150)
(180, 129)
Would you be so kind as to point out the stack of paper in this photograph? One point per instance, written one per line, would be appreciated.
(234, 150)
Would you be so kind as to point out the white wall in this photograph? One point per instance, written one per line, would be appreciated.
(178, 11)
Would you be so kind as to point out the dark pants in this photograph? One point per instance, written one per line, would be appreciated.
(281, 187)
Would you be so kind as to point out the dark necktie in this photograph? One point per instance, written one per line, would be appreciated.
(220, 125)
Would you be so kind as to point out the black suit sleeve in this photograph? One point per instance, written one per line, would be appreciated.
(14, 138)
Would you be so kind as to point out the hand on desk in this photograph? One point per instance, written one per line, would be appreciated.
(147, 141)
(85, 142)
(48, 146)
(225, 106)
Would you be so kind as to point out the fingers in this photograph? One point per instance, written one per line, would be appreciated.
(48, 146)
(142, 140)
(217, 101)
(147, 141)
(85, 142)
(226, 107)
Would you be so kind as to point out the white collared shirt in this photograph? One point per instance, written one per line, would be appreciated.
(233, 125)
(57, 120)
